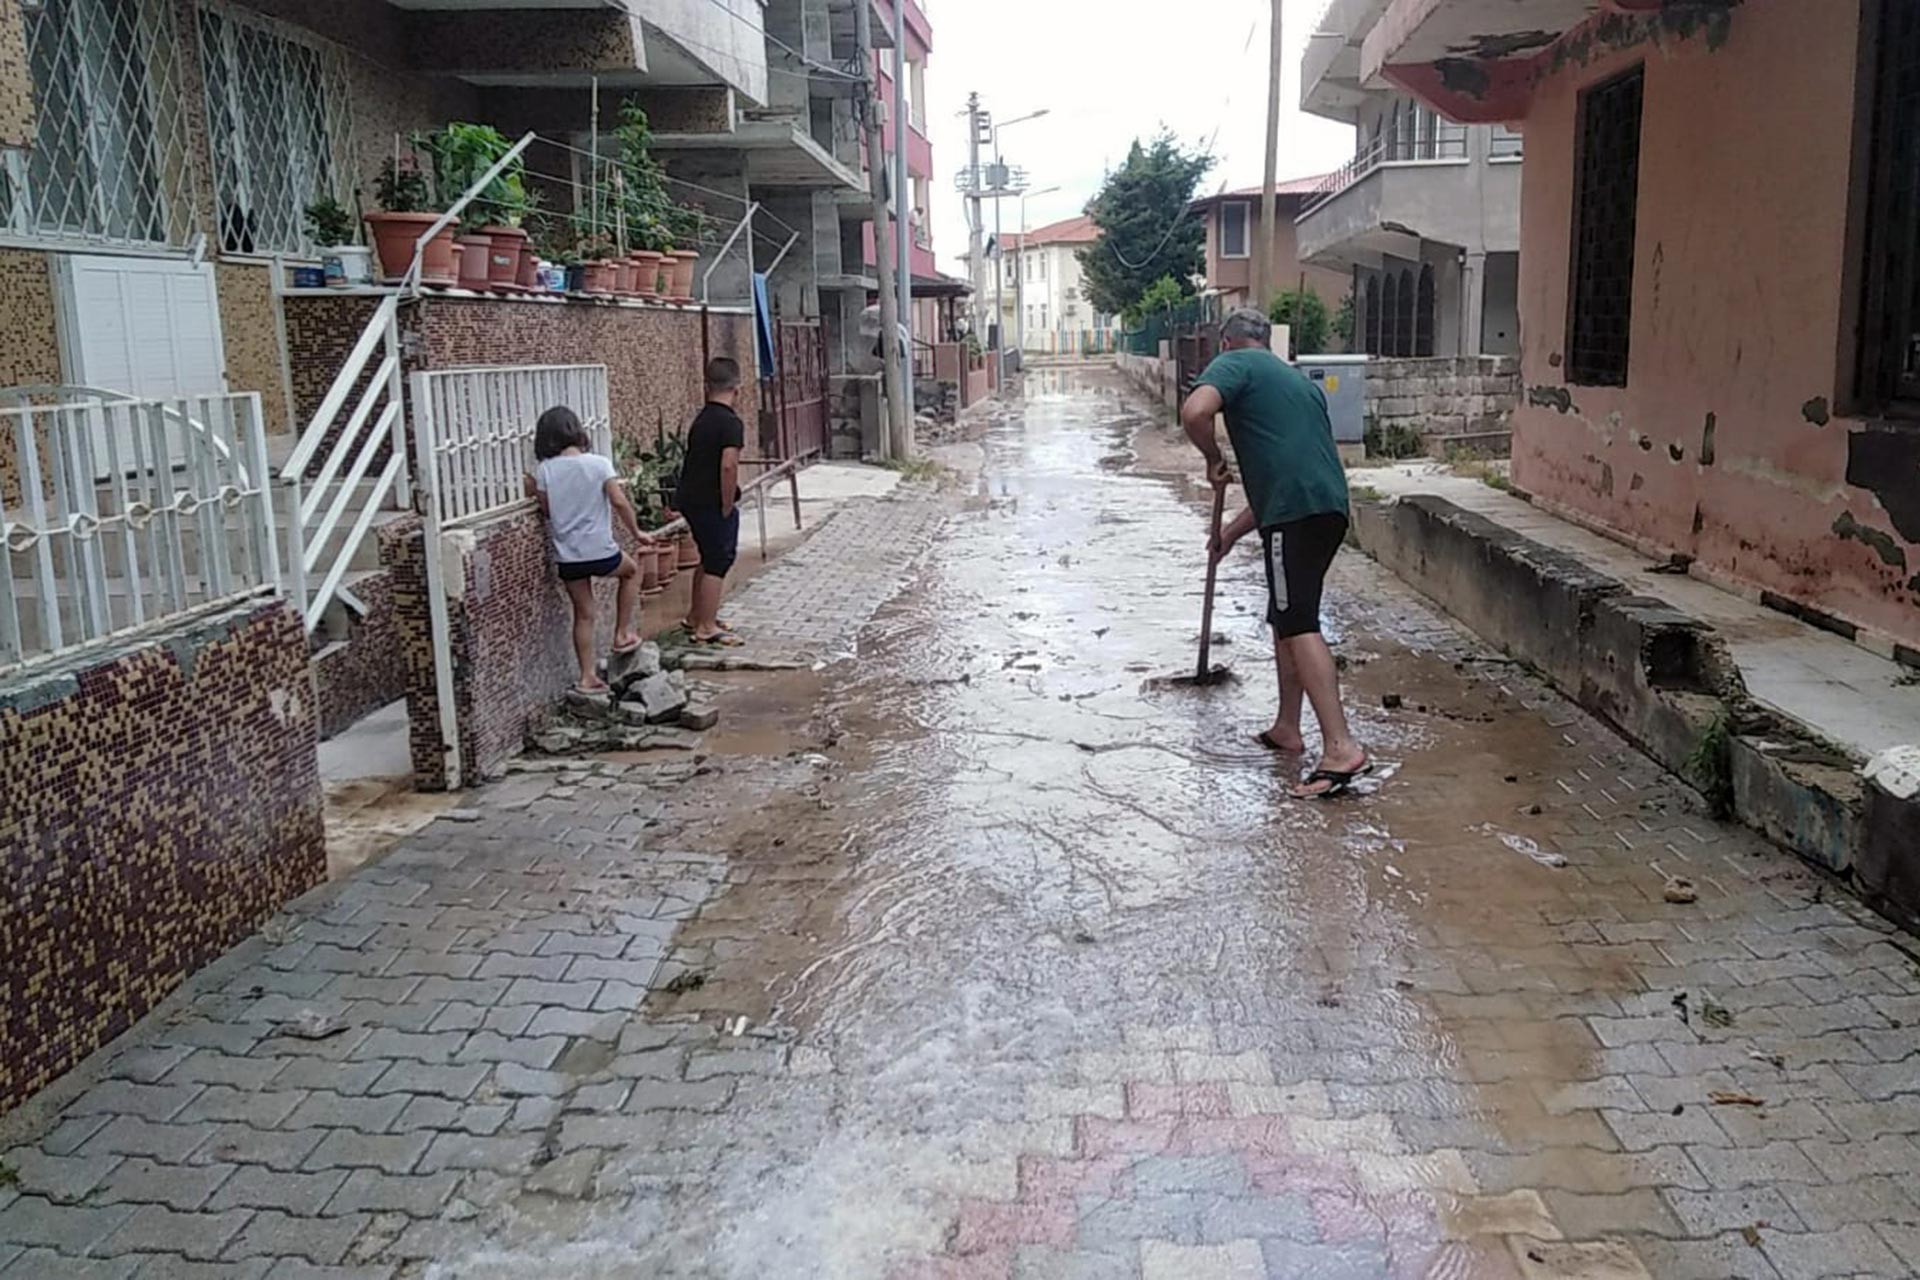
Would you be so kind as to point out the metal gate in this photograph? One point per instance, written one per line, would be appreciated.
(793, 403)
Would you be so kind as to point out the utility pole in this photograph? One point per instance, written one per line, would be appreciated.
(895, 428)
(902, 226)
(975, 249)
(1263, 242)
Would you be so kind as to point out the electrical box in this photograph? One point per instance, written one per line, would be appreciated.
(1343, 380)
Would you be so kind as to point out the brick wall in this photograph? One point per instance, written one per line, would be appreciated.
(357, 678)
(1445, 397)
(510, 633)
(158, 800)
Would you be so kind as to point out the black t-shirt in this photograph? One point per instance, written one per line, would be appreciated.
(715, 428)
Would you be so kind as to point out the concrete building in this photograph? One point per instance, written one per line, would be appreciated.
(1043, 300)
(1425, 219)
(1233, 222)
(1720, 337)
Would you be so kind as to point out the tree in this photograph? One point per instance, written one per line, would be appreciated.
(1164, 292)
(1147, 228)
(1306, 311)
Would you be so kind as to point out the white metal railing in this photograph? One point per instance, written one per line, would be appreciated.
(363, 415)
(1445, 142)
(473, 430)
(119, 513)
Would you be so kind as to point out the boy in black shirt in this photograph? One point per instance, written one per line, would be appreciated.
(709, 497)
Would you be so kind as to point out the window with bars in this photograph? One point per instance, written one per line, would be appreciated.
(1233, 229)
(1888, 377)
(281, 130)
(108, 163)
(1606, 202)
(1506, 144)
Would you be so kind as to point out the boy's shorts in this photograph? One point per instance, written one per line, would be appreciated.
(1299, 553)
(718, 538)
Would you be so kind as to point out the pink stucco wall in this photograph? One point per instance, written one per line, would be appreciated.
(1738, 316)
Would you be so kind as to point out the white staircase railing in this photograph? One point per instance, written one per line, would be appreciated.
(363, 415)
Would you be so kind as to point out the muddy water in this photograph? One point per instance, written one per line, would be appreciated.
(1028, 914)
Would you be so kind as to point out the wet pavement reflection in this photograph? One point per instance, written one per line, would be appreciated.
(1066, 985)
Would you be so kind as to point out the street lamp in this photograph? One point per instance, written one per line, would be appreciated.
(1000, 276)
(1020, 280)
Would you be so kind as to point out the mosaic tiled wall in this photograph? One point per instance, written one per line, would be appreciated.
(16, 81)
(511, 637)
(248, 328)
(158, 800)
(29, 349)
(357, 678)
(653, 354)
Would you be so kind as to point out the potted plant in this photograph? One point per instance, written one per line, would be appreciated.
(405, 194)
(596, 262)
(687, 226)
(330, 227)
(462, 153)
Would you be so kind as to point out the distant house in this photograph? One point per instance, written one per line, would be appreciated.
(1043, 300)
(1233, 220)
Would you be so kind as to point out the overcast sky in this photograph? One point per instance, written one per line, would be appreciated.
(1109, 71)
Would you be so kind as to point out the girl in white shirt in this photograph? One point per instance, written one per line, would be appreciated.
(581, 493)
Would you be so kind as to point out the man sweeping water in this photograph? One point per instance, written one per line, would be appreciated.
(1297, 499)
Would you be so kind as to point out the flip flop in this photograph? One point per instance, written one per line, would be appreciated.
(1264, 740)
(718, 640)
(687, 626)
(1338, 781)
(632, 648)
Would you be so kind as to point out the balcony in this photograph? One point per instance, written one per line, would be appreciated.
(1471, 59)
(1330, 80)
(1402, 190)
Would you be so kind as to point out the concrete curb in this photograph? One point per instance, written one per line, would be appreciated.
(1662, 678)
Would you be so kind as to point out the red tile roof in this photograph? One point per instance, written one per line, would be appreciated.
(1290, 187)
(1080, 230)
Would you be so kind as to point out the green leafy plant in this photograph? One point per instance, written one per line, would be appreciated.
(687, 225)
(1396, 441)
(461, 154)
(402, 186)
(640, 473)
(642, 183)
(1148, 231)
(1161, 294)
(1344, 321)
(329, 223)
(1709, 766)
(1306, 311)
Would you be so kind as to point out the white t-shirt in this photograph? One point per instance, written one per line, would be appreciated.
(578, 512)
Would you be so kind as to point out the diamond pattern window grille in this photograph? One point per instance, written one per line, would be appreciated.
(109, 164)
(281, 128)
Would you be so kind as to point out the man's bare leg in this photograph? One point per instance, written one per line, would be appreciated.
(1313, 660)
(707, 592)
(1285, 734)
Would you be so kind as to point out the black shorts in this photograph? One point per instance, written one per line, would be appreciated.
(718, 538)
(1299, 554)
(581, 570)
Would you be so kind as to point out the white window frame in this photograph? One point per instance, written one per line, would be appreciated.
(333, 170)
(1246, 229)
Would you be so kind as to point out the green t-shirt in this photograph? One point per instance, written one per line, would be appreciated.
(1277, 420)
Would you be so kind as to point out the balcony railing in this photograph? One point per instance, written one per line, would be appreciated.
(1446, 144)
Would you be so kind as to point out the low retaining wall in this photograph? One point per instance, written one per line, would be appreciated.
(159, 799)
(1155, 376)
(1659, 676)
(1466, 401)
(510, 632)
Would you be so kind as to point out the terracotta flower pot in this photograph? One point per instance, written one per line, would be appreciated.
(622, 276)
(649, 562)
(646, 269)
(394, 235)
(689, 554)
(597, 276)
(476, 261)
(682, 287)
(503, 264)
(532, 278)
(667, 557)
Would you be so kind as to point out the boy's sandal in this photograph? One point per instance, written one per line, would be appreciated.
(719, 640)
(1339, 781)
(632, 648)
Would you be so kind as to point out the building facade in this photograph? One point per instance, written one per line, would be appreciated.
(1425, 219)
(1043, 298)
(1233, 223)
(1720, 337)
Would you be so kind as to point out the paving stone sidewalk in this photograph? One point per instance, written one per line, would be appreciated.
(811, 604)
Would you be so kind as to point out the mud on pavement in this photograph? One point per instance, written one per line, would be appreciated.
(978, 955)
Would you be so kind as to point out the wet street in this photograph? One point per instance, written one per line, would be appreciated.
(987, 953)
